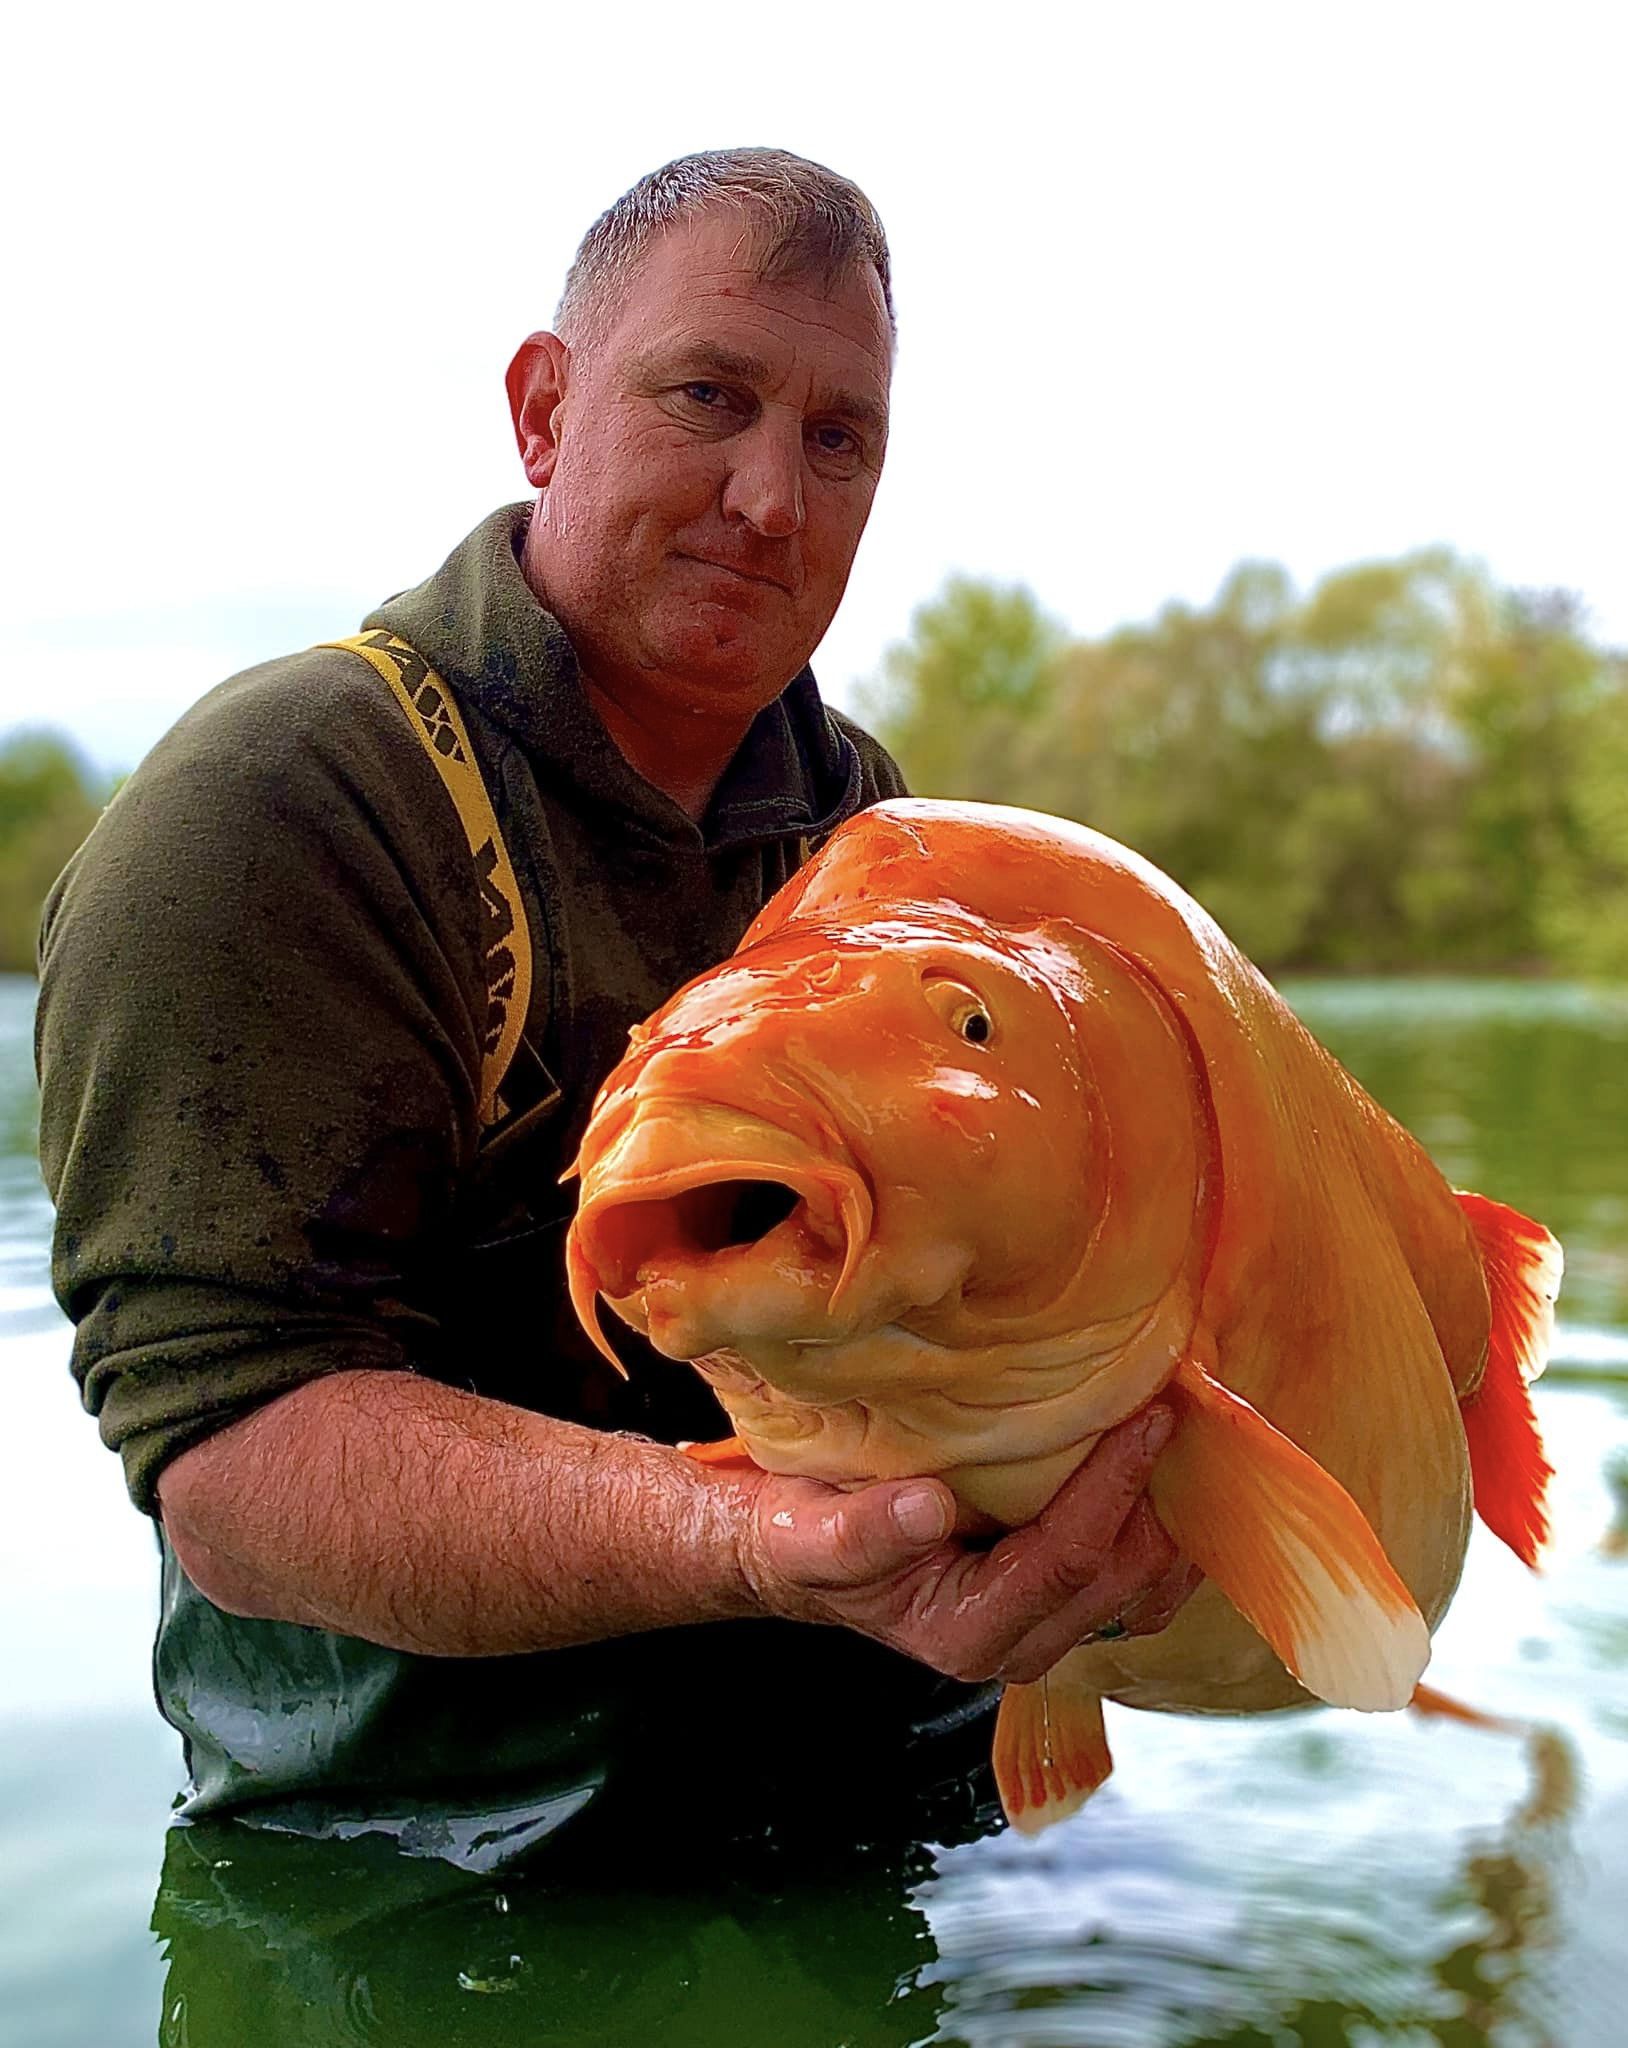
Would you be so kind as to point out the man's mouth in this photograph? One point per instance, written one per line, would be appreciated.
(733, 569)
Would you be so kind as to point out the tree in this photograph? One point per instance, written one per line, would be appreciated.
(1582, 911)
(1526, 701)
(1405, 768)
(976, 673)
(47, 805)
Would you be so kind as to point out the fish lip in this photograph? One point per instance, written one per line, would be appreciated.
(828, 1182)
(667, 1186)
(813, 1171)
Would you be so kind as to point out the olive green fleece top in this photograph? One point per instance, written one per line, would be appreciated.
(261, 993)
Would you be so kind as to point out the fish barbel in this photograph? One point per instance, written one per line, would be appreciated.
(987, 1135)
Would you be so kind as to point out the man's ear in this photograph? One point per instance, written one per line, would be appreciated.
(536, 384)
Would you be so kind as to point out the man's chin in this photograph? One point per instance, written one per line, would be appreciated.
(717, 655)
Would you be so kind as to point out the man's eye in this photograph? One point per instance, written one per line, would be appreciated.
(709, 395)
(835, 441)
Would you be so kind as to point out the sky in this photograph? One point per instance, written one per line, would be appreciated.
(1177, 285)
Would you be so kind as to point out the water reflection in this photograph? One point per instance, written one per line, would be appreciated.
(1119, 1930)
(1614, 1543)
(25, 1213)
(1132, 1939)
(292, 1944)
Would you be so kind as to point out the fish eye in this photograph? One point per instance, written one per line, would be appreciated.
(961, 1008)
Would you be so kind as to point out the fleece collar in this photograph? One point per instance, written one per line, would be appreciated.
(476, 622)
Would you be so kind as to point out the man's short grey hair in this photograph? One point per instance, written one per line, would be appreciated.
(812, 221)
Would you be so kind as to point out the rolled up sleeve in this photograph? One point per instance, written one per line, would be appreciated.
(258, 1058)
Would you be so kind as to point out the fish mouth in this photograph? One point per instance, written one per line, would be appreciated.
(697, 1211)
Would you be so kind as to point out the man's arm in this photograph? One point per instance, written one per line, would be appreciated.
(385, 1506)
(259, 1054)
(259, 1064)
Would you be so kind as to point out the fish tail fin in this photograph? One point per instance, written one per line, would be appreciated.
(1051, 1751)
(1523, 1264)
(1289, 1547)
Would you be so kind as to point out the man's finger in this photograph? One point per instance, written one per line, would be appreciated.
(857, 1538)
(1142, 1558)
(1071, 1562)
(1040, 1568)
(1091, 1507)
(1160, 1605)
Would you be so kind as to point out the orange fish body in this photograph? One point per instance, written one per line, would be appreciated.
(985, 1136)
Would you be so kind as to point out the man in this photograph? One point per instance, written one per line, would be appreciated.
(426, 1566)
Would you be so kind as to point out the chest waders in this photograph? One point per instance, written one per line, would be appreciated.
(479, 1760)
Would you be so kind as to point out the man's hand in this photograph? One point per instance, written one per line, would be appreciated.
(882, 1561)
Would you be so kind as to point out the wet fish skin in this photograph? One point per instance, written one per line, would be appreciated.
(1050, 1145)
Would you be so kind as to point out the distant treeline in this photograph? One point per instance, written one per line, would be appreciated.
(49, 800)
(1407, 768)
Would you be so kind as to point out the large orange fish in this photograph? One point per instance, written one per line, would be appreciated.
(986, 1136)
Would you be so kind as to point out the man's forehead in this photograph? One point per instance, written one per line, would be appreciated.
(715, 282)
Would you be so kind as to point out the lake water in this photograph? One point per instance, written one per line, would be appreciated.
(1315, 1880)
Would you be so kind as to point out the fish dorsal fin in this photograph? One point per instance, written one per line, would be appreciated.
(1289, 1547)
(1523, 1265)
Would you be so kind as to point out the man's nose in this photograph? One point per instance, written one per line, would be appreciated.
(765, 484)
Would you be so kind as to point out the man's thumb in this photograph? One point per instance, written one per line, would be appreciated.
(883, 1529)
(922, 1512)
(854, 1539)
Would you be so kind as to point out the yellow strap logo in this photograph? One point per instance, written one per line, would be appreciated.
(505, 938)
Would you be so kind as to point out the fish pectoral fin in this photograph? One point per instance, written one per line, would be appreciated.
(1289, 1547)
(1051, 1752)
(728, 1450)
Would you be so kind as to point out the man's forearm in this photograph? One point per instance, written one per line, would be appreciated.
(390, 1507)
(393, 1508)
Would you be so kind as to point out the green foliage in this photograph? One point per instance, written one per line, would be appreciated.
(977, 672)
(47, 805)
(1404, 768)
(1582, 897)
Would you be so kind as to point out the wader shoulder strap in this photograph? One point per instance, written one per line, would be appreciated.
(505, 937)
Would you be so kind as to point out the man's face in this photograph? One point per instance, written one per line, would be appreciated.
(716, 455)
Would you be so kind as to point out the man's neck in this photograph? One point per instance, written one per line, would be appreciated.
(680, 751)
(683, 756)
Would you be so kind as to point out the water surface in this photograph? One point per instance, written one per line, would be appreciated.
(1315, 1880)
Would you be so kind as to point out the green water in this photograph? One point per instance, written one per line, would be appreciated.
(1315, 1880)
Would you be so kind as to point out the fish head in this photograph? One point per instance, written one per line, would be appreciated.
(873, 1157)
(843, 1127)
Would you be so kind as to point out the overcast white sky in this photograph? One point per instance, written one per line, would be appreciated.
(1177, 284)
